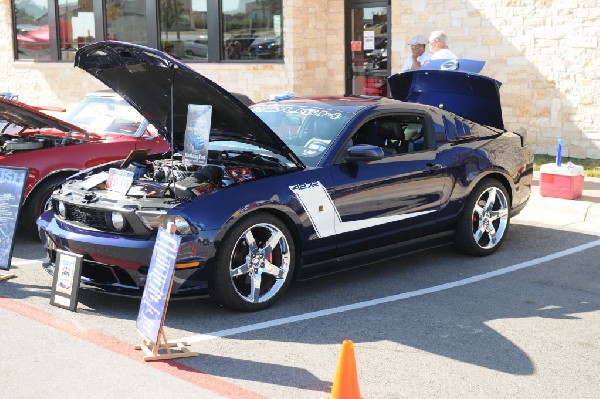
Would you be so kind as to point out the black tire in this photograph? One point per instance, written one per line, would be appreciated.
(485, 219)
(245, 260)
(36, 203)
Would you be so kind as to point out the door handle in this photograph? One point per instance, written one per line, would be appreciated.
(431, 167)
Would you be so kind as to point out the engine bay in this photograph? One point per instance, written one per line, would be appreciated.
(173, 178)
(11, 143)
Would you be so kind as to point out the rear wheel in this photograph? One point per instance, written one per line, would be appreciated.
(38, 202)
(485, 219)
(254, 264)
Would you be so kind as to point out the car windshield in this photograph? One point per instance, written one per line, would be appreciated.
(106, 114)
(308, 131)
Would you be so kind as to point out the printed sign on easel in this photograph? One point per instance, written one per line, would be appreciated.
(12, 187)
(157, 291)
(65, 281)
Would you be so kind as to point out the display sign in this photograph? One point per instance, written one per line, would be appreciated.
(65, 281)
(158, 285)
(119, 180)
(12, 186)
(197, 131)
(356, 45)
(369, 39)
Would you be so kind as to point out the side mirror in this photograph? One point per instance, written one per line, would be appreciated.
(364, 153)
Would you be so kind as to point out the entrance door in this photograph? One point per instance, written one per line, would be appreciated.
(367, 47)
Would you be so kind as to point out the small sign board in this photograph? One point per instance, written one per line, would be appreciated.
(197, 132)
(157, 289)
(12, 187)
(369, 40)
(65, 281)
(119, 180)
(356, 45)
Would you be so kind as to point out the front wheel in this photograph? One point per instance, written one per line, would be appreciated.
(484, 221)
(254, 264)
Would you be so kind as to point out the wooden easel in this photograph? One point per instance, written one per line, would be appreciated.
(150, 348)
(7, 276)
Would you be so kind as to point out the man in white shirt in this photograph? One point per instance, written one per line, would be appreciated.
(418, 54)
(439, 47)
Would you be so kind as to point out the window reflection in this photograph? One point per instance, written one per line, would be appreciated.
(76, 26)
(252, 29)
(183, 31)
(126, 21)
(32, 30)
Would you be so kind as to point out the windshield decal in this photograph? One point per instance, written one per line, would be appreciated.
(292, 109)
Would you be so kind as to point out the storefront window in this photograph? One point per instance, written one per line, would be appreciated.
(76, 26)
(190, 30)
(126, 21)
(252, 30)
(183, 30)
(32, 29)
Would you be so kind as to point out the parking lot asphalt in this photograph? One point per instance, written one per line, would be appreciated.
(46, 353)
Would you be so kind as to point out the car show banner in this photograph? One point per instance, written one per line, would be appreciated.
(197, 132)
(65, 280)
(12, 187)
(155, 299)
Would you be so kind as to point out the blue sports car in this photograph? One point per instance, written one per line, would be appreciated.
(292, 185)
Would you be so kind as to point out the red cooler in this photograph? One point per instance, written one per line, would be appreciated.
(565, 181)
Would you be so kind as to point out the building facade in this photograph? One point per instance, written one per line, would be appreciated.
(545, 52)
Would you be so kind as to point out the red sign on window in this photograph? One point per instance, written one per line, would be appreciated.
(356, 45)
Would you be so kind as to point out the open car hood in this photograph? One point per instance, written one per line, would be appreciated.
(31, 118)
(144, 77)
(472, 96)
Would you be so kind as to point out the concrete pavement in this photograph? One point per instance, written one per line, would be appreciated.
(582, 213)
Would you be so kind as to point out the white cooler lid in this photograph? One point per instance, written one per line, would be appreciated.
(568, 169)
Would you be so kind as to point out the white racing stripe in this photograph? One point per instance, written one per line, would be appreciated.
(325, 217)
(387, 299)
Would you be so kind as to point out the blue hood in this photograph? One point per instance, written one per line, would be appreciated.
(472, 96)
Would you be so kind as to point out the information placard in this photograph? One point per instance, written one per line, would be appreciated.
(65, 281)
(158, 285)
(197, 132)
(12, 186)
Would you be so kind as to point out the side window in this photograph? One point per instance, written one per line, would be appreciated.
(398, 134)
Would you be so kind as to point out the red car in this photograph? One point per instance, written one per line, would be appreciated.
(102, 128)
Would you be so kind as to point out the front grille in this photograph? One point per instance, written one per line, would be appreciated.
(88, 216)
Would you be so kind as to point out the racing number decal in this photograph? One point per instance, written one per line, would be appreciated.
(326, 219)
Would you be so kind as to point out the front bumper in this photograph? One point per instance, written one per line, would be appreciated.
(119, 264)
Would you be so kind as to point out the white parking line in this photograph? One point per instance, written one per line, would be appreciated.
(387, 299)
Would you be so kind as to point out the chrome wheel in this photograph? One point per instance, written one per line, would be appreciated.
(484, 222)
(260, 263)
(490, 218)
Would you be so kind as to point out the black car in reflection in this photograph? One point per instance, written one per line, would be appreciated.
(291, 185)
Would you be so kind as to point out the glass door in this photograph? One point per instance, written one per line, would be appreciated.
(367, 47)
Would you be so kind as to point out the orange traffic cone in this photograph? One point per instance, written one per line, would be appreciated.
(345, 385)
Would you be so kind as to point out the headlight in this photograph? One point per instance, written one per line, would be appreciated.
(151, 219)
(182, 226)
(117, 221)
(61, 208)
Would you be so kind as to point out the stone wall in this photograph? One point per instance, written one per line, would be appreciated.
(545, 52)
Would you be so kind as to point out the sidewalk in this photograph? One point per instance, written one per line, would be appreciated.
(581, 213)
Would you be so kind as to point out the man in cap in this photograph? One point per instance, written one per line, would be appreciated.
(418, 54)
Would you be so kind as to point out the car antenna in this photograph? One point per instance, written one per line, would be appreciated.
(171, 110)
